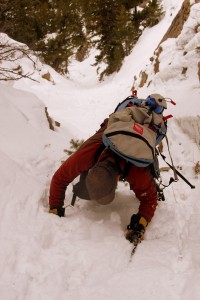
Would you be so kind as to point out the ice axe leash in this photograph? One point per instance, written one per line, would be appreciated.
(74, 196)
(73, 199)
(176, 172)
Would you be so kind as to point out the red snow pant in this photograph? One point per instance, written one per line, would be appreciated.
(139, 179)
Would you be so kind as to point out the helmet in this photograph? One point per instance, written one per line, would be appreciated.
(156, 103)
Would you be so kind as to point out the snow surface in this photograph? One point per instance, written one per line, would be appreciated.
(85, 255)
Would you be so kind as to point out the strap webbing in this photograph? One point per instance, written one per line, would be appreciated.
(73, 199)
(172, 167)
(177, 172)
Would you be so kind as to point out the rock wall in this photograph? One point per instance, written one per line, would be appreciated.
(178, 22)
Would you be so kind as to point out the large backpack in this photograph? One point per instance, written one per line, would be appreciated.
(134, 131)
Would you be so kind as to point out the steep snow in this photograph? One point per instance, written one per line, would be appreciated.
(85, 255)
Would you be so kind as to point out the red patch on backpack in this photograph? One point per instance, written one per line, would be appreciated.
(138, 128)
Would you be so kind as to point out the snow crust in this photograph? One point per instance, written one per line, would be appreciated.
(85, 255)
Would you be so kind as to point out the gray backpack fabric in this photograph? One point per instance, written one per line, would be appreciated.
(131, 134)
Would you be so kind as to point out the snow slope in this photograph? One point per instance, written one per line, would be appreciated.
(85, 255)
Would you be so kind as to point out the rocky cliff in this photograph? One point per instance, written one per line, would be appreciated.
(175, 66)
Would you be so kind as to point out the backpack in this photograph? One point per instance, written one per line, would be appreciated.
(134, 130)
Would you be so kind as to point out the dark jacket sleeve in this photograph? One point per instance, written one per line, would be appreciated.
(82, 160)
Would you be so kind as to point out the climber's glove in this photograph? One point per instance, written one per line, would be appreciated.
(60, 211)
(136, 229)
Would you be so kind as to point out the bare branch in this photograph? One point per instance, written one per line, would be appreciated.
(8, 74)
(10, 55)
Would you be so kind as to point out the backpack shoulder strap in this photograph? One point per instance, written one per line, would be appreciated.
(127, 168)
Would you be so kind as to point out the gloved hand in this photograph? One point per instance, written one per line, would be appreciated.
(60, 211)
(134, 236)
(136, 229)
